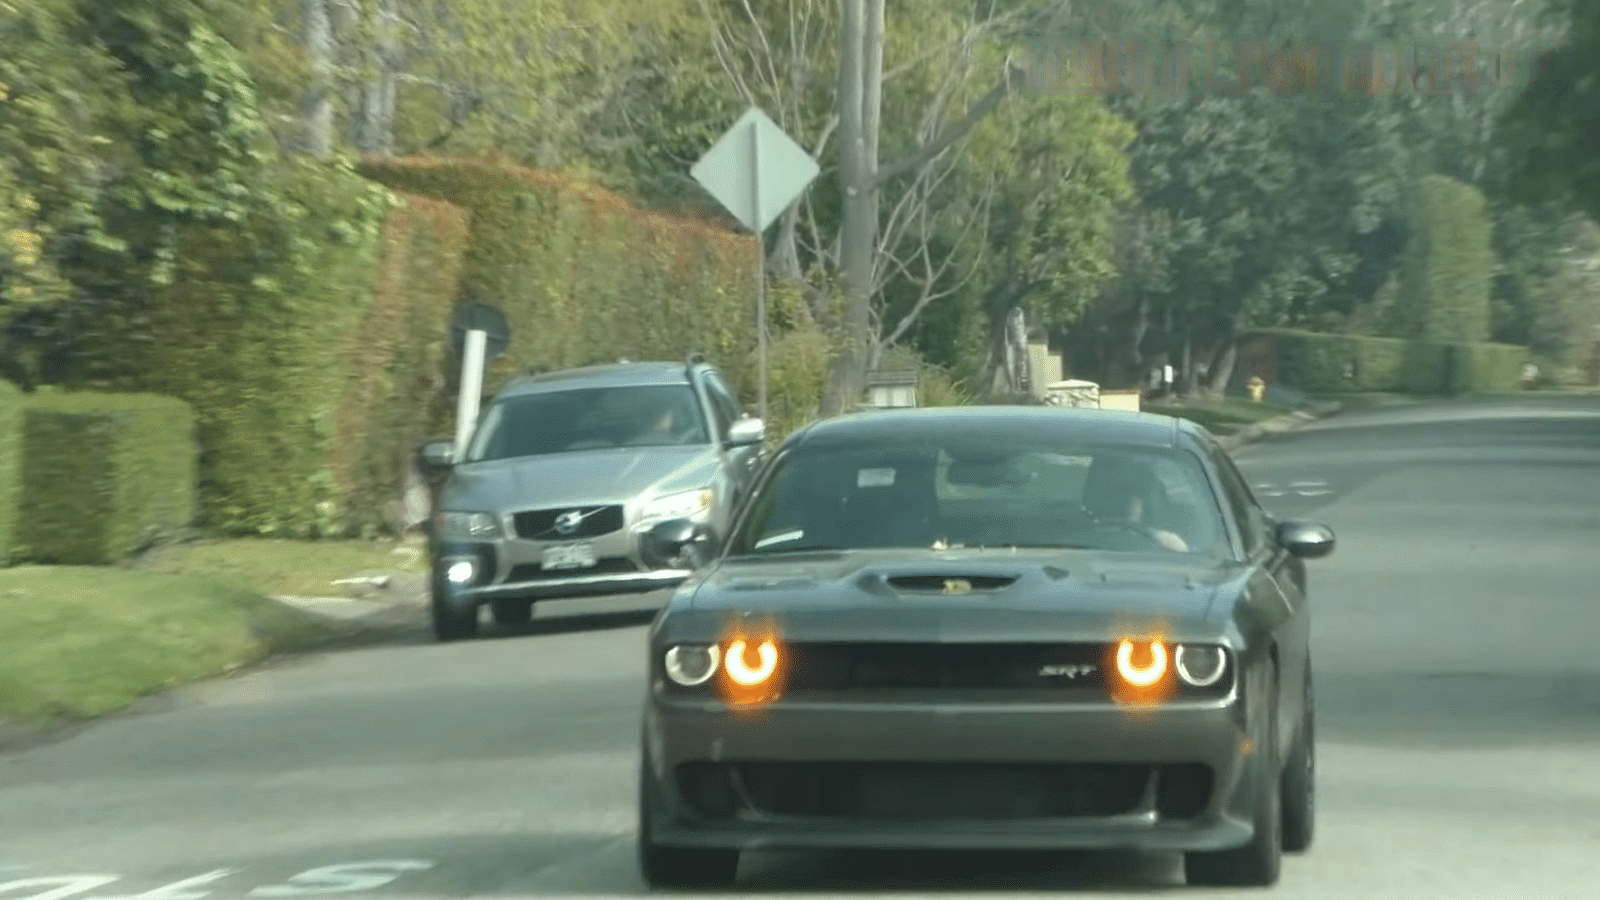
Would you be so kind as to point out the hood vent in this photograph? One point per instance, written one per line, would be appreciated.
(950, 584)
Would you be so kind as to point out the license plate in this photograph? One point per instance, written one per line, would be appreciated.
(568, 556)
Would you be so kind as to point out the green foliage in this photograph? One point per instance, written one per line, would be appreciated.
(395, 396)
(1449, 266)
(259, 333)
(11, 407)
(585, 275)
(105, 476)
(1340, 363)
(1547, 137)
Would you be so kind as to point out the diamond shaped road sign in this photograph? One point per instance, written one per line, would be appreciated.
(755, 170)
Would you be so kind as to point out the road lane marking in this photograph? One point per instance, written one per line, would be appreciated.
(178, 890)
(59, 887)
(344, 879)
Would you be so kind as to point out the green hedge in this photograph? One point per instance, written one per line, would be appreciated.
(582, 275)
(1337, 363)
(259, 331)
(395, 397)
(1447, 270)
(11, 406)
(105, 475)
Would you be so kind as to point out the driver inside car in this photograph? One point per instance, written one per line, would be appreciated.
(1117, 493)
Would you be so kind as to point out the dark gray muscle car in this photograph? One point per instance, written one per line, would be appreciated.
(987, 628)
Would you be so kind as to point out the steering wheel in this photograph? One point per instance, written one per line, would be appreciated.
(1133, 529)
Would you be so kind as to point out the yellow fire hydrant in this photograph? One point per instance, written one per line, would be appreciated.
(1256, 387)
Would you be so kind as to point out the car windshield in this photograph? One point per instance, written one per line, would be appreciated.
(589, 419)
(990, 494)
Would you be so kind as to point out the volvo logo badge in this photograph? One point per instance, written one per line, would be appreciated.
(568, 522)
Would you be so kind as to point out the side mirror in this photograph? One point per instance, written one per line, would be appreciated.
(1307, 540)
(746, 432)
(437, 455)
(680, 544)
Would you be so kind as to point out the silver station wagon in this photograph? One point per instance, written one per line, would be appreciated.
(583, 482)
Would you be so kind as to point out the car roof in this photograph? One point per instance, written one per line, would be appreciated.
(622, 374)
(1067, 423)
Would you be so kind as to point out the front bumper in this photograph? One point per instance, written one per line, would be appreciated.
(1186, 774)
(626, 562)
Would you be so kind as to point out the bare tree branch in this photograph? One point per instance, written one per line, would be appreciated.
(955, 132)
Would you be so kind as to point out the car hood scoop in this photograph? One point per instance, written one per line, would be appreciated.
(950, 583)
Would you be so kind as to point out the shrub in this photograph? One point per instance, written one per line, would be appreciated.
(1335, 363)
(259, 331)
(395, 396)
(1448, 267)
(11, 405)
(581, 274)
(105, 475)
(1487, 367)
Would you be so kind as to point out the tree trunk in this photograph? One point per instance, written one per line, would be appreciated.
(1190, 377)
(316, 109)
(858, 233)
(1222, 369)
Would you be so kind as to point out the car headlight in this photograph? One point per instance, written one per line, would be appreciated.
(1200, 665)
(692, 664)
(466, 526)
(683, 505)
(1141, 664)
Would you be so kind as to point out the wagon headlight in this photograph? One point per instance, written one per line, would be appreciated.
(1200, 665)
(467, 526)
(692, 505)
(692, 664)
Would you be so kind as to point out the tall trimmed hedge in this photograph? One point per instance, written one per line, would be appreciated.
(1448, 267)
(259, 330)
(395, 393)
(11, 406)
(1334, 363)
(584, 276)
(105, 475)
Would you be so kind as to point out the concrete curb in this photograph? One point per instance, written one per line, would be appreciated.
(1311, 412)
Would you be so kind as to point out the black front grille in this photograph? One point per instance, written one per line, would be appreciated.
(869, 666)
(908, 791)
(540, 524)
(535, 572)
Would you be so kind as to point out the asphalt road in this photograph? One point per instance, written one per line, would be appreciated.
(1457, 656)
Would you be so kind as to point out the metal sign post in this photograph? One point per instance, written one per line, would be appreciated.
(479, 334)
(472, 363)
(756, 177)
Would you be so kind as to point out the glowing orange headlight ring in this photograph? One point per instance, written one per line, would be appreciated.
(1148, 675)
(1136, 682)
(754, 664)
(738, 666)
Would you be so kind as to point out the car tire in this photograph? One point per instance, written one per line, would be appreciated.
(511, 613)
(1300, 782)
(452, 622)
(1257, 863)
(664, 867)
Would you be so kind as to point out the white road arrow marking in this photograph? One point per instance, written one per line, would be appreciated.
(178, 890)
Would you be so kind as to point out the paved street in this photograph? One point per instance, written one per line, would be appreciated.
(1457, 655)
